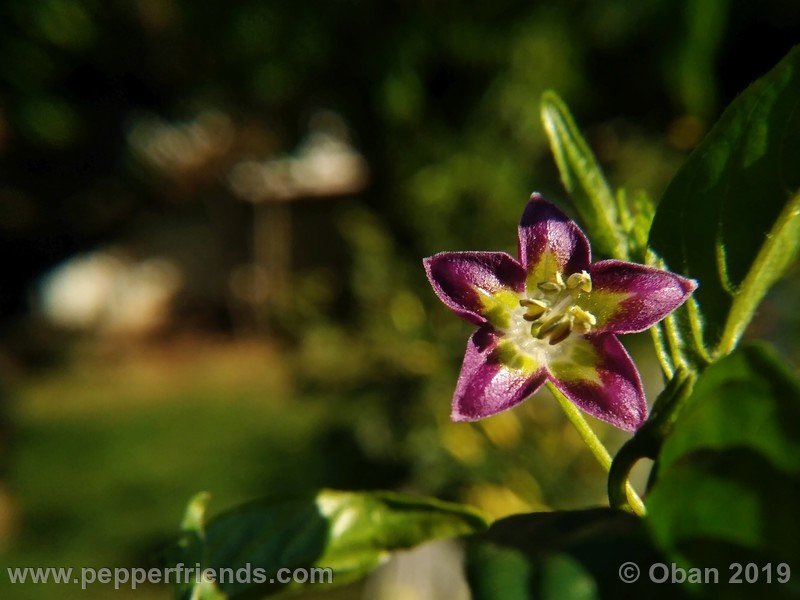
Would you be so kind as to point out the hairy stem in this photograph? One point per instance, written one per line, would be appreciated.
(661, 351)
(674, 341)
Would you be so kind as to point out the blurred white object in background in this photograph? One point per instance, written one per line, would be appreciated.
(433, 571)
(106, 292)
(325, 164)
(180, 147)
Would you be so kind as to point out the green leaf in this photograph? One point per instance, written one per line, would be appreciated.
(729, 475)
(582, 178)
(349, 533)
(568, 554)
(731, 216)
(748, 399)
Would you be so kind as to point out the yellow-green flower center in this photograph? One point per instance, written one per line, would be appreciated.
(551, 307)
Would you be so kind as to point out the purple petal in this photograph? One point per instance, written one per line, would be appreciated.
(551, 241)
(486, 386)
(628, 298)
(459, 277)
(602, 380)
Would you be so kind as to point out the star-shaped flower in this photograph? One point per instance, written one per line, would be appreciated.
(552, 315)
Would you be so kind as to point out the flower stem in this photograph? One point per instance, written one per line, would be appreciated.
(661, 351)
(595, 445)
(674, 341)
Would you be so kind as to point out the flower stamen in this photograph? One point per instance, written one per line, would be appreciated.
(582, 318)
(549, 324)
(561, 331)
(580, 282)
(557, 317)
(556, 284)
(534, 308)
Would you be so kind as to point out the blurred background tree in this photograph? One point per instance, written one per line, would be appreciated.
(212, 217)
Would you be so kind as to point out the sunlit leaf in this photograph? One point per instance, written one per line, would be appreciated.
(582, 178)
(349, 533)
(731, 216)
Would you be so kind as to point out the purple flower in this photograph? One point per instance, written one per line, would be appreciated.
(552, 315)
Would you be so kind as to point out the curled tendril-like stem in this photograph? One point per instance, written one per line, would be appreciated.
(647, 441)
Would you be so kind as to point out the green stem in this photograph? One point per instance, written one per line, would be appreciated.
(674, 341)
(595, 445)
(624, 461)
(661, 351)
(777, 252)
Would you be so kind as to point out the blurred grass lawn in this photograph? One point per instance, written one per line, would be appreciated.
(108, 451)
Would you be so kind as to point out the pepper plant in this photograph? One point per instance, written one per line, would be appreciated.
(724, 433)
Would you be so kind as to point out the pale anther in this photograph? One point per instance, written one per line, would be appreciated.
(556, 283)
(580, 281)
(582, 316)
(534, 309)
(526, 302)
